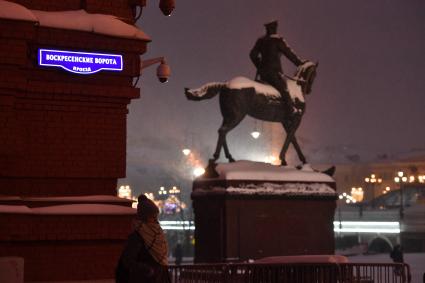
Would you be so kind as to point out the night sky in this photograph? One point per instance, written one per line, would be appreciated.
(367, 100)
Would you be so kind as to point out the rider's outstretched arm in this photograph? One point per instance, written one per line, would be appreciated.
(289, 53)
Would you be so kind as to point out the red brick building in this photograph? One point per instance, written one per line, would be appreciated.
(63, 136)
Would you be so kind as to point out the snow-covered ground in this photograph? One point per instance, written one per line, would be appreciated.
(415, 260)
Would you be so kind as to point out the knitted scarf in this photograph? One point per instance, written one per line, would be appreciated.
(155, 242)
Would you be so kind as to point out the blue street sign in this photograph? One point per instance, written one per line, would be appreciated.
(80, 62)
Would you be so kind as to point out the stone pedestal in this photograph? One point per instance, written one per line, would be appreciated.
(239, 219)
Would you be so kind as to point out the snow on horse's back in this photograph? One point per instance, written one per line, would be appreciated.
(294, 89)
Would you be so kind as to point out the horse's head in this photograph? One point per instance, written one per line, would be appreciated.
(306, 73)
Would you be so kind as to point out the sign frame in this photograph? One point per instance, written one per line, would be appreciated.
(77, 67)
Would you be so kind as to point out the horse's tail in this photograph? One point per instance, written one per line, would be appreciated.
(206, 91)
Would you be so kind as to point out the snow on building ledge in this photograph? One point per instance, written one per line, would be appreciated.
(70, 209)
(13, 11)
(88, 199)
(78, 20)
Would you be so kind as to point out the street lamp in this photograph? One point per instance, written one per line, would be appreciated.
(400, 178)
(387, 189)
(162, 192)
(372, 180)
(357, 193)
(174, 190)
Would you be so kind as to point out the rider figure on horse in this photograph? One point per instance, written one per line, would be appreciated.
(266, 57)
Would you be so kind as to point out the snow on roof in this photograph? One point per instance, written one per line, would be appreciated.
(73, 20)
(15, 209)
(290, 189)
(83, 21)
(13, 11)
(85, 209)
(250, 170)
(90, 198)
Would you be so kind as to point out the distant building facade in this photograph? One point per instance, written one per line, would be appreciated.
(348, 176)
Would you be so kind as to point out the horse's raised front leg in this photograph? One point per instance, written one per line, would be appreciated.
(290, 128)
(298, 150)
(296, 145)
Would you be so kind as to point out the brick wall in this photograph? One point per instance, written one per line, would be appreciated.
(33, 227)
(52, 245)
(62, 133)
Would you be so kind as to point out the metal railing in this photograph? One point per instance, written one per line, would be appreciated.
(291, 273)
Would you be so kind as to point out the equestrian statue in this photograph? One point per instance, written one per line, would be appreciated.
(272, 96)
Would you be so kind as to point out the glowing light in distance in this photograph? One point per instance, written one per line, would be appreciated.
(255, 134)
(367, 230)
(199, 171)
(271, 159)
(162, 191)
(177, 225)
(150, 196)
(186, 151)
(174, 190)
(367, 227)
(357, 194)
(369, 223)
(124, 192)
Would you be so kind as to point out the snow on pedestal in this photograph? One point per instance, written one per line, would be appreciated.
(249, 178)
(250, 170)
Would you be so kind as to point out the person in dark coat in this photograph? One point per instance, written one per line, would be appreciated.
(145, 255)
(178, 253)
(266, 57)
(397, 256)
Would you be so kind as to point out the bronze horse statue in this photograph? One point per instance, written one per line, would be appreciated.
(241, 96)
